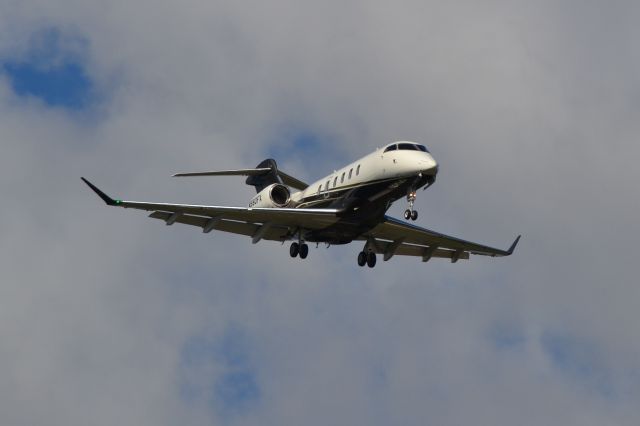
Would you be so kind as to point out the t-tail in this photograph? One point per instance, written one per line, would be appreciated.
(263, 175)
(263, 179)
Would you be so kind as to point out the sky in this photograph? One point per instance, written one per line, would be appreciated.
(108, 317)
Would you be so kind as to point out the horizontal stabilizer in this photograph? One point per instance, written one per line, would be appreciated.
(239, 172)
(292, 182)
(286, 179)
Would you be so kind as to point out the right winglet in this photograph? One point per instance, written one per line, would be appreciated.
(513, 246)
(110, 201)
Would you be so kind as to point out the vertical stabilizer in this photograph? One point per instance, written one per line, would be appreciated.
(263, 180)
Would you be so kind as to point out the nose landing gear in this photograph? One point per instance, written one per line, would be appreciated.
(410, 213)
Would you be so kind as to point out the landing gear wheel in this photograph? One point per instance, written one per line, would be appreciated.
(304, 251)
(371, 259)
(294, 249)
(410, 213)
(362, 258)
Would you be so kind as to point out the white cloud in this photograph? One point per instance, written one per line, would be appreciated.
(531, 111)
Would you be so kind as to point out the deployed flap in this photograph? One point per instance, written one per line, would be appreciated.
(402, 249)
(306, 218)
(275, 233)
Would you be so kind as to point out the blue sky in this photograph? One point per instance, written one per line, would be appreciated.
(50, 73)
(66, 86)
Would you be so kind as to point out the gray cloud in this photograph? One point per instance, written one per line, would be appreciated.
(531, 110)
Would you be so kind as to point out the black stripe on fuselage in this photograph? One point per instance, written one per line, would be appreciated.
(324, 199)
(363, 206)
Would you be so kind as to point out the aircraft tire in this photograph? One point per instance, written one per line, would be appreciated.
(407, 214)
(362, 258)
(294, 249)
(371, 259)
(414, 215)
(303, 251)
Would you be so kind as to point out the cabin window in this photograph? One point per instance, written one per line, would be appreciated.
(342, 178)
(335, 181)
(350, 172)
(358, 170)
(407, 146)
(391, 148)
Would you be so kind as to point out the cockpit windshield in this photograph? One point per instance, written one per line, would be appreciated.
(406, 147)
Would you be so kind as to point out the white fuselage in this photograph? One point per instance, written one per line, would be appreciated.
(379, 166)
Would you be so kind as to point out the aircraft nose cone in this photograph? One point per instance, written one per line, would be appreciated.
(428, 167)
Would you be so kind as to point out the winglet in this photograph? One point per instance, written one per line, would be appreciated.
(513, 246)
(110, 201)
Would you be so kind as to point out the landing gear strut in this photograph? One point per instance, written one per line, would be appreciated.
(410, 213)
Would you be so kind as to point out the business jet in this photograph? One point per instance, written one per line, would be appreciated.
(347, 205)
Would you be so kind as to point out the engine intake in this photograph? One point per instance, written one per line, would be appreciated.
(274, 195)
(280, 195)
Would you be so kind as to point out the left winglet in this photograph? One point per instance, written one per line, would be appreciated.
(110, 201)
(513, 246)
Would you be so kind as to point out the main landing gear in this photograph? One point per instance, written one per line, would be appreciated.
(367, 258)
(299, 249)
(410, 213)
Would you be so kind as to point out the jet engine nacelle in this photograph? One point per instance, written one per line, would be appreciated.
(273, 196)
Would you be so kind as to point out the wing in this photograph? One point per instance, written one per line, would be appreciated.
(394, 237)
(258, 223)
